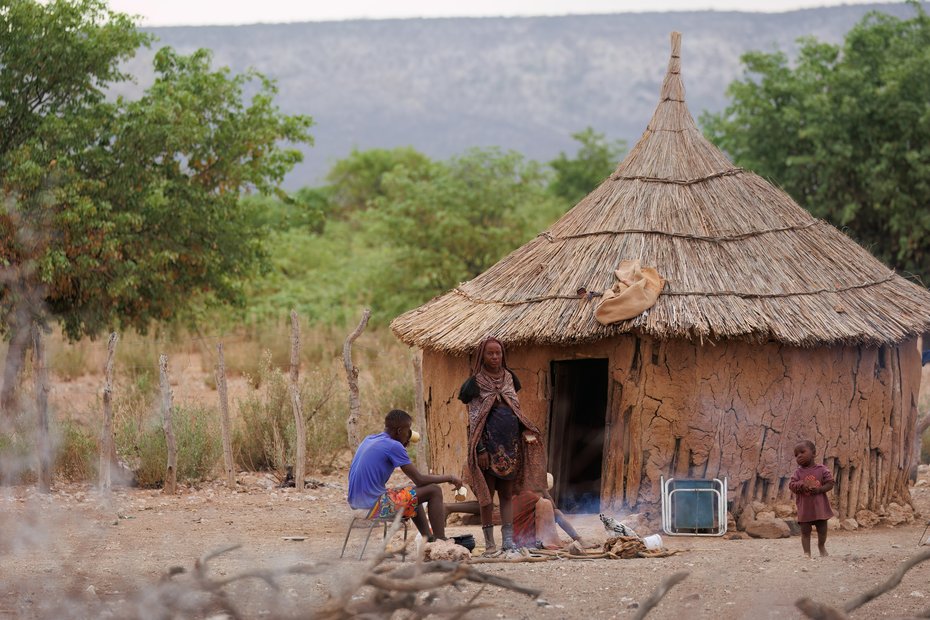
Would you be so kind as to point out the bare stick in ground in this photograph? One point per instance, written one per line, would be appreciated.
(820, 611)
(41, 381)
(667, 584)
(300, 464)
(171, 473)
(352, 376)
(106, 433)
(220, 374)
(422, 447)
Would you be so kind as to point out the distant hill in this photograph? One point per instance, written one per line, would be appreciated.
(443, 85)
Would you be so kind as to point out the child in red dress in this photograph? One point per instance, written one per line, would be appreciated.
(810, 484)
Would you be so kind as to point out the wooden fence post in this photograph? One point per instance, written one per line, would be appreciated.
(41, 382)
(423, 446)
(352, 376)
(106, 434)
(220, 375)
(300, 464)
(171, 473)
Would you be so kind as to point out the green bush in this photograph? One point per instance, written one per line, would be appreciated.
(76, 457)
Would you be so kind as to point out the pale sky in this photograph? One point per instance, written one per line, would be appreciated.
(203, 12)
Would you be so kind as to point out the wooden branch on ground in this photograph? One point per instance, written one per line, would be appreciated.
(352, 376)
(820, 611)
(171, 471)
(300, 459)
(659, 593)
(106, 433)
(219, 372)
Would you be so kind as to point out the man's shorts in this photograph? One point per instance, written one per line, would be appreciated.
(393, 501)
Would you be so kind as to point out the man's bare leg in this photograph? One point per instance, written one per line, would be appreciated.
(431, 495)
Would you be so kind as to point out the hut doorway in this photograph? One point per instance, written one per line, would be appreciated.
(576, 432)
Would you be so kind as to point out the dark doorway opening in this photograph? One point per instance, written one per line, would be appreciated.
(577, 432)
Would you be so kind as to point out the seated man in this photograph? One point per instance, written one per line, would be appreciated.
(374, 462)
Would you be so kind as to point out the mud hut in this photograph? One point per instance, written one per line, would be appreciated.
(773, 327)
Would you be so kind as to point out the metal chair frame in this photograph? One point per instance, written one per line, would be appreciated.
(718, 490)
(372, 523)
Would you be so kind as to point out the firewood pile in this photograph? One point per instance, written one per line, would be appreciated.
(627, 547)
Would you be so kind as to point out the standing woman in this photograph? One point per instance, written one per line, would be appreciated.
(505, 454)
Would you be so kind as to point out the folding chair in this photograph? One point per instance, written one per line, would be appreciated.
(361, 516)
(694, 506)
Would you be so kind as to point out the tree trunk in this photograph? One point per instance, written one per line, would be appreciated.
(106, 433)
(171, 473)
(352, 376)
(300, 463)
(15, 360)
(220, 374)
(41, 382)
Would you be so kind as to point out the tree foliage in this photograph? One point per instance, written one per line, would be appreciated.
(126, 212)
(356, 181)
(574, 178)
(845, 130)
(450, 223)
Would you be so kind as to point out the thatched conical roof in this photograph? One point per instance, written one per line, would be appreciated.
(741, 258)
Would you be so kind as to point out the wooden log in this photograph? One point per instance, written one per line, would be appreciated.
(106, 433)
(300, 459)
(219, 372)
(352, 377)
(41, 386)
(420, 404)
(171, 472)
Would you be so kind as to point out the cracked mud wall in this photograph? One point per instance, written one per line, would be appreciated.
(732, 409)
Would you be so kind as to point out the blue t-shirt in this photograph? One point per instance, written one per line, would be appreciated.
(374, 462)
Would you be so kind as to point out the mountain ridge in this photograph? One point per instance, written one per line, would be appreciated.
(442, 85)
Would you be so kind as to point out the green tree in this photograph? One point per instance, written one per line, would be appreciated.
(450, 223)
(120, 213)
(595, 160)
(846, 131)
(357, 180)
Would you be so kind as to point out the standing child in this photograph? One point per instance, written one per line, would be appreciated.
(810, 484)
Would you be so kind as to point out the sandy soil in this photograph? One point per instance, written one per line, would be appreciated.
(77, 554)
(74, 553)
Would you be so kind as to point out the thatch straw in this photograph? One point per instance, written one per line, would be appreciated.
(741, 258)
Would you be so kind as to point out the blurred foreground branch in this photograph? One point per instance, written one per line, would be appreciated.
(820, 611)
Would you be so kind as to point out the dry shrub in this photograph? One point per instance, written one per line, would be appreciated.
(69, 361)
(197, 441)
(140, 438)
(265, 436)
(76, 457)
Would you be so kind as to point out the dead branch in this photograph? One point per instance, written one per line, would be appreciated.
(171, 470)
(106, 433)
(819, 611)
(352, 376)
(42, 389)
(889, 585)
(300, 465)
(219, 372)
(664, 587)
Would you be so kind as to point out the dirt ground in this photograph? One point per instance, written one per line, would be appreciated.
(74, 553)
